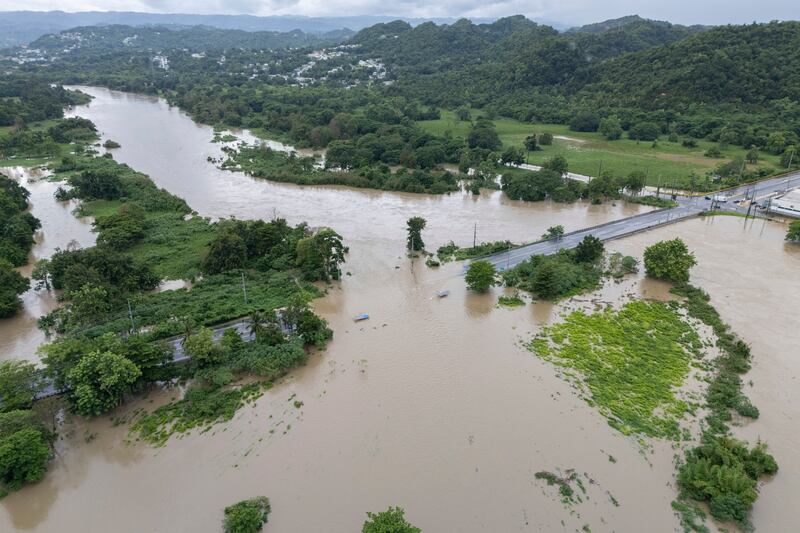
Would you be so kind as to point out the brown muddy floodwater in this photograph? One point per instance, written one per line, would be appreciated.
(19, 336)
(432, 404)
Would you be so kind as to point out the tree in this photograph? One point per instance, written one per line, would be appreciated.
(644, 131)
(793, 233)
(611, 128)
(227, 252)
(247, 516)
(553, 232)
(557, 164)
(88, 304)
(584, 121)
(12, 284)
(546, 139)
(589, 250)
(463, 114)
(635, 182)
(202, 348)
(481, 276)
(670, 260)
(512, 155)
(19, 384)
(752, 155)
(483, 135)
(603, 186)
(99, 381)
(23, 457)
(320, 256)
(390, 521)
(415, 225)
(531, 144)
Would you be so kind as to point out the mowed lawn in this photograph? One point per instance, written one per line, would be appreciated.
(666, 163)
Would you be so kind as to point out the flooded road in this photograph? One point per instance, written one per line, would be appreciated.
(432, 404)
(19, 336)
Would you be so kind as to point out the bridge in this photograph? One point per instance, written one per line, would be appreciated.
(605, 232)
(688, 206)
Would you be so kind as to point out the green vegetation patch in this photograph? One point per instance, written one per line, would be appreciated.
(247, 516)
(200, 408)
(350, 170)
(631, 361)
(510, 301)
(452, 252)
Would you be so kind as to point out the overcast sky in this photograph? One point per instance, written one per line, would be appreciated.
(567, 11)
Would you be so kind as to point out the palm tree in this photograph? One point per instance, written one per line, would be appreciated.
(256, 323)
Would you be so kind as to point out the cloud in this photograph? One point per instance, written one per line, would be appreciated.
(571, 11)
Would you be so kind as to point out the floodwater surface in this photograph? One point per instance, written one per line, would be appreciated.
(432, 404)
(19, 336)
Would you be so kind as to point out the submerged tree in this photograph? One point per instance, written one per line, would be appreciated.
(415, 225)
(481, 276)
(670, 260)
(392, 520)
(321, 255)
(247, 516)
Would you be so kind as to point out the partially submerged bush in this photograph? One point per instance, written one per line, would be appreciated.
(247, 516)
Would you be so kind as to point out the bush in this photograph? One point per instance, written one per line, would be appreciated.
(390, 521)
(247, 516)
(644, 131)
(724, 473)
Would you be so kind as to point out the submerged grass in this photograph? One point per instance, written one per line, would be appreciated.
(631, 361)
(200, 408)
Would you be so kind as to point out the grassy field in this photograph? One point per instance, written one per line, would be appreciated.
(666, 163)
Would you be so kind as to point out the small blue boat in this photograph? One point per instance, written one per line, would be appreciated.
(359, 317)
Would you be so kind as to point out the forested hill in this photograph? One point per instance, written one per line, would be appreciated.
(611, 38)
(428, 48)
(753, 64)
(466, 43)
(643, 64)
(106, 39)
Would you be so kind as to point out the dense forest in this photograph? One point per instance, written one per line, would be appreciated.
(25, 99)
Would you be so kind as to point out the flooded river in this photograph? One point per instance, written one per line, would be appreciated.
(19, 336)
(432, 404)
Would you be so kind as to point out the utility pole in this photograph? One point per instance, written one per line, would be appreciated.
(791, 156)
(244, 288)
(130, 314)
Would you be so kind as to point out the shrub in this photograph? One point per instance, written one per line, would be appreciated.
(390, 521)
(247, 516)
